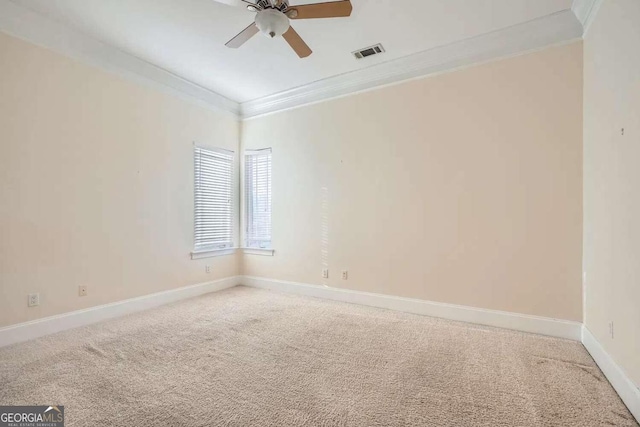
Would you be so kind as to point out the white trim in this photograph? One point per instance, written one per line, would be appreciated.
(556, 28)
(546, 31)
(258, 251)
(586, 11)
(33, 27)
(626, 389)
(212, 253)
(50, 325)
(501, 319)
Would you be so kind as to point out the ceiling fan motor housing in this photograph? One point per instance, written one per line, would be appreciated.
(272, 22)
(281, 5)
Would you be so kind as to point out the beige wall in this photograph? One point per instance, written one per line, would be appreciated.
(96, 185)
(464, 188)
(612, 181)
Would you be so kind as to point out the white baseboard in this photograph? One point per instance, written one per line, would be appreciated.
(501, 319)
(626, 389)
(50, 325)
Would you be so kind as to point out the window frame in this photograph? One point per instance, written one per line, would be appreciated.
(252, 243)
(223, 248)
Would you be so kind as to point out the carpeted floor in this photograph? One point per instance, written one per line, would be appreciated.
(247, 357)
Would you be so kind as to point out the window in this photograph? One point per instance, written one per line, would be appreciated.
(257, 193)
(213, 199)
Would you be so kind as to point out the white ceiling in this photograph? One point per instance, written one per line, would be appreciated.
(186, 37)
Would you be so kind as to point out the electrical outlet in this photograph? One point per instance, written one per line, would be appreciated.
(345, 274)
(325, 273)
(611, 329)
(207, 269)
(34, 299)
(82, 290)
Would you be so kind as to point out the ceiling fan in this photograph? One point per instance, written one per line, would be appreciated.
(272, 20)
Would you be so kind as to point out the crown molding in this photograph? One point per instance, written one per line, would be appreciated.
(23, 23)
(585, 11)
(560, 27)
(532, 35)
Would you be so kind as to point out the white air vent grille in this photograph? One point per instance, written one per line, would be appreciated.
(368, 51)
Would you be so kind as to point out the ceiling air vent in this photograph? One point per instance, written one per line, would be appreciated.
(368, 51)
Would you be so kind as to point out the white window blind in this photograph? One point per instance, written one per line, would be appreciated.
(213, 199)
(257, 191)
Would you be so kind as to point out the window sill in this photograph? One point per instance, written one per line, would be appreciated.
(212, 253)
(258, 251)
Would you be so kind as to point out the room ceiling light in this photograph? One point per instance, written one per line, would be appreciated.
(272, 20)
(272, 23)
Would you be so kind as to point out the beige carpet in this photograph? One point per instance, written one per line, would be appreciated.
(246, 357)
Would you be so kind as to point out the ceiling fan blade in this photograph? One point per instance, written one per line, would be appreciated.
(243, 36)
(333, 9)
(296, 43)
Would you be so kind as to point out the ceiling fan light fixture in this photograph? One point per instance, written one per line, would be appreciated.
(272, 20)
(272, 23)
